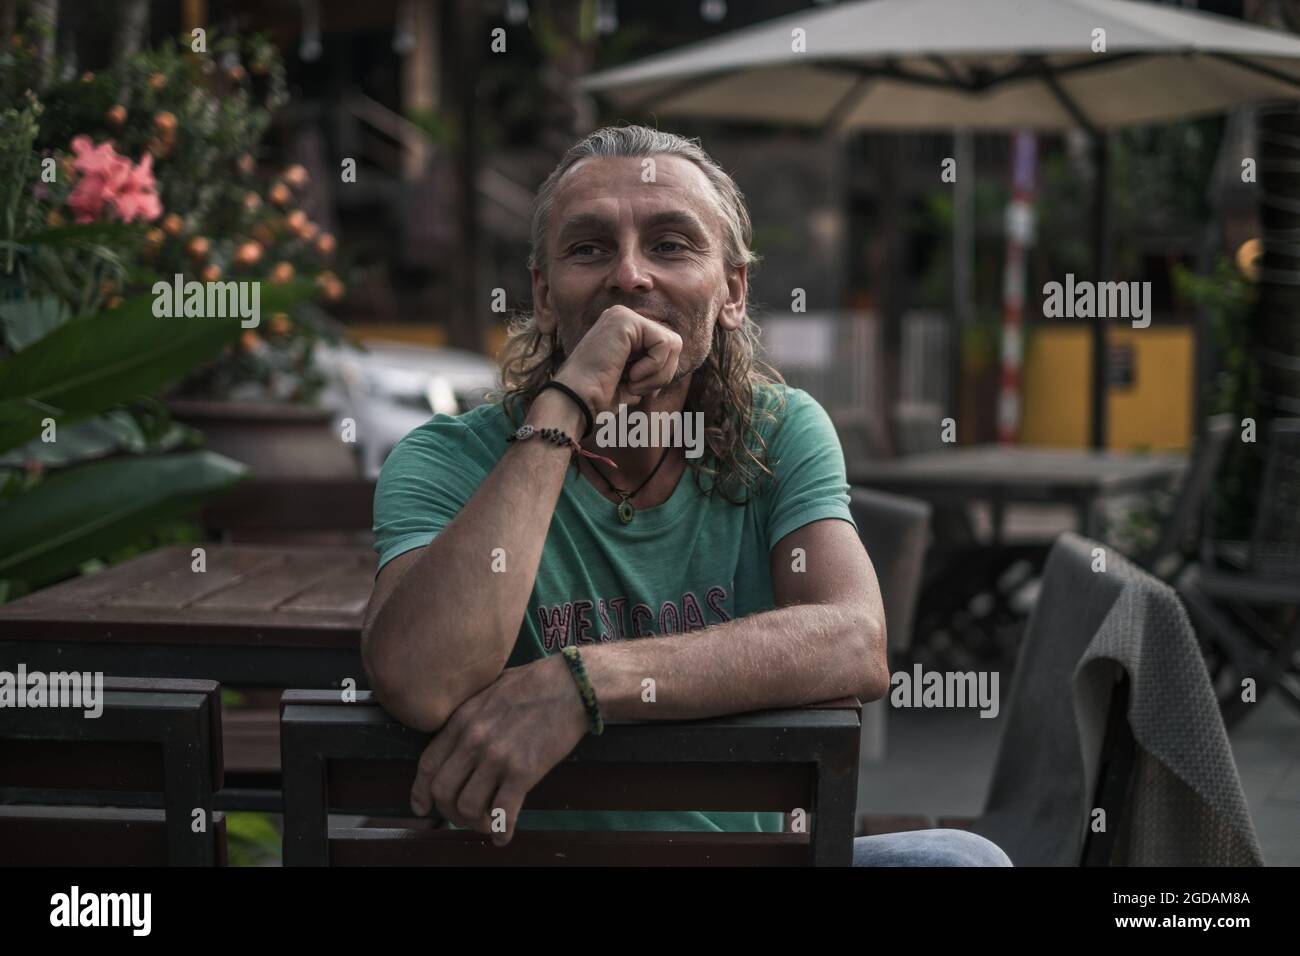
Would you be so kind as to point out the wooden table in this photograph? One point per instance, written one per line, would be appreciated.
(258, 616)
(1004, 474)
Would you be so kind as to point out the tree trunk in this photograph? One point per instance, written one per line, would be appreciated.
(1276, 327)
(46, 15)
(133, 25)
(463, 327)
(8, 20)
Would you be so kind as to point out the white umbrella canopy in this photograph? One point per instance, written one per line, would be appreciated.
(980, 64)
(974, 64)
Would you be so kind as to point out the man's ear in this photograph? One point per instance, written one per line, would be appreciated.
(543, 314)
(732, 314)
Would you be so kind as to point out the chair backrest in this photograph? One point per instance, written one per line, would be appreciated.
(153, 755)
(1192, 493)
(354, 758)
(1112, 709)
(1277, 516)
(896, 533)
(918, 428)
(1039, 760)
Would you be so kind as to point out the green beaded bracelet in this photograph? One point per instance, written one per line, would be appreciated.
(585, 690)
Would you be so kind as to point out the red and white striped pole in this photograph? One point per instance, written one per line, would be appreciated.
(1020, 234)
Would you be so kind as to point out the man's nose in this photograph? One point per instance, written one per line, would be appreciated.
(628, 272)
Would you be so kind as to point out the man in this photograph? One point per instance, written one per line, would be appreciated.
(502, 546)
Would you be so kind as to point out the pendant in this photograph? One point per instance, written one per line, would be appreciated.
(626, 512)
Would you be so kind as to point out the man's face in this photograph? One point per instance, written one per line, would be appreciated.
(655, 247)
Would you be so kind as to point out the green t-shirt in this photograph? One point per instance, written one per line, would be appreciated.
(694, 561)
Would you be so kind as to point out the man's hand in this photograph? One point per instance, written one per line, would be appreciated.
(498, 745)
(599, 368)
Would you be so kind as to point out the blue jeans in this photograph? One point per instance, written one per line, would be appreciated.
(928, 848)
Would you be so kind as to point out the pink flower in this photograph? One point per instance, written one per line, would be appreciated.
(107, 178)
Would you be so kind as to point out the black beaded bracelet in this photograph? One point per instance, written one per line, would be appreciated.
(577, 400)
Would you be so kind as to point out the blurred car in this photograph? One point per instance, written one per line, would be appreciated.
(391, 388)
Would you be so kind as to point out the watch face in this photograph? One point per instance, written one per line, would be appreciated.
(523, 432)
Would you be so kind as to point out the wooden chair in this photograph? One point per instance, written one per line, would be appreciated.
(118, 789)
(354, 758)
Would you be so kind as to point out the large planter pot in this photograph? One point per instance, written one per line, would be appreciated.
(275, 440)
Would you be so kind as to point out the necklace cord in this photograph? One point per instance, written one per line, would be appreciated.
(625, 495)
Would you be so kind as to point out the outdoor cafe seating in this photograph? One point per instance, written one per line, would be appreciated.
(1092, 734)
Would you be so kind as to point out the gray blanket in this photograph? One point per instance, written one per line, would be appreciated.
(1186, 806)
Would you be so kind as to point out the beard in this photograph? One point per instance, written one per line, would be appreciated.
(696, 330)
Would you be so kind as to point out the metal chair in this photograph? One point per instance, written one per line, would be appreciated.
(1166, 557)
(1110, 710)
(896, 533)
(1245, 596)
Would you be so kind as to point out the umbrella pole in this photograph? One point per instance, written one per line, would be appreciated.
(1100, 268)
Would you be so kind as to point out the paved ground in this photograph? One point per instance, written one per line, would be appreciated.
(938, 763)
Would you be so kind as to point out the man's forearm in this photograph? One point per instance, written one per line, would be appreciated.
(449, 626)
(799, 654)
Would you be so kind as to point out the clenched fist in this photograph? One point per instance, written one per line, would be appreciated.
(623, 357)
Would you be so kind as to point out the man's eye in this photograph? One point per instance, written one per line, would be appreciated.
(577, 250)
(670, 242)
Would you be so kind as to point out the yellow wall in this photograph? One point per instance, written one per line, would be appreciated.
(1156, 412)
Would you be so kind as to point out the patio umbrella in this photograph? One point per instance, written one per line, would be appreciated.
(1050, 65)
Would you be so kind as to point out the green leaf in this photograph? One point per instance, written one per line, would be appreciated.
(89, 365)
(101, 233)
(84, 512)
(253, 839)
(96, 437)
(30, 320)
